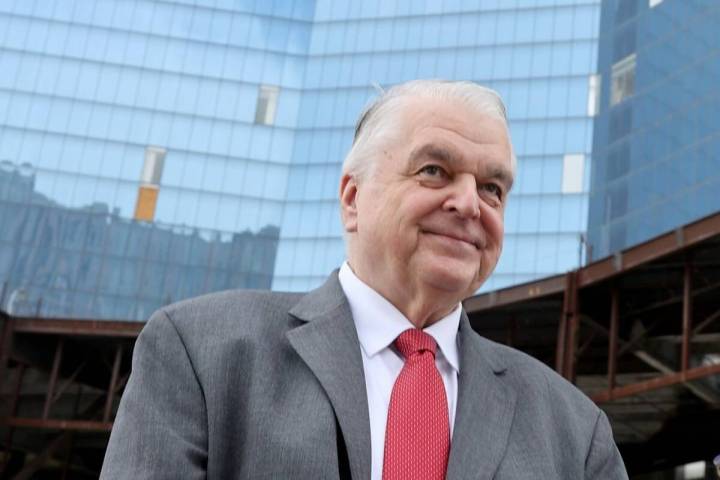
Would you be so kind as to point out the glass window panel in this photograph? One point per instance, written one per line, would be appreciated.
(180, 132)
(248, 217)
(79, 118)
(207, 97)
(563, 24)
(207, 209)
(37, 35)
(220, 138)
(240, 141)
(66, 82)
(573, 173)
(581, 58)
(228, 211)
(43, 152)
(254, 179)
(552, 174)
(59, 115)
(38, 113)
(213, 175)
(260, 143)
(487, 24)
(281, 146)
(200, 136)
(540, 62)
(623, 79)
(147, 93)
(27, 73)
(17, 31)
(166, 204)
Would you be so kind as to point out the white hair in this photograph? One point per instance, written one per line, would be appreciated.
(378, 124)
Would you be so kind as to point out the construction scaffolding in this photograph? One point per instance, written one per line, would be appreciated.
(638, 332)
(61, 381)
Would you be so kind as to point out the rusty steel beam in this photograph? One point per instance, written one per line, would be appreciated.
(672, 300)
(55, 424)
(53, 377)
(40, 460)
(704, 393)
(706, 323)
(656, 383)
(686, 314)
(669, 243)
(613, 343)
(61, 326)
(604, 269)
(68, 382)
(113, 383)
(586, 345)
(537, 289)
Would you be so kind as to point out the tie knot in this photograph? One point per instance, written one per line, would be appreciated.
(414, 341)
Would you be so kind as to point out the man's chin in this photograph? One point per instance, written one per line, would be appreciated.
(461, 282)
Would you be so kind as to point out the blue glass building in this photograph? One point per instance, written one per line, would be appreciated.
(211, 133)
(656, 152)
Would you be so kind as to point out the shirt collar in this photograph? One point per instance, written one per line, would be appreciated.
(379, 323)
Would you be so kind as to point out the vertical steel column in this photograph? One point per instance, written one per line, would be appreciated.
(13, 412)
(562, 330)
(573, 326)
(6, 343)
(687, 314)
(53, 377)
(113, 383)
(613, 347)
(71, 441)
(511, 338)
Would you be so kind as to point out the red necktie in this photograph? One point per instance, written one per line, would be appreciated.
(417, 437)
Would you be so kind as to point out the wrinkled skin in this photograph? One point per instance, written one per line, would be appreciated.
(425, 228)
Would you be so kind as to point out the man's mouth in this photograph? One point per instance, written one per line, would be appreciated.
(462, 238)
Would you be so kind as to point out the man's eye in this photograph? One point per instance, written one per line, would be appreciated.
(492, 189)
(432, 170)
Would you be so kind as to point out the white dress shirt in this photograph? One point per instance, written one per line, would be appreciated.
(378, 324)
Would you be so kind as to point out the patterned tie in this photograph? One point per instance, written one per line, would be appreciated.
(417, 438)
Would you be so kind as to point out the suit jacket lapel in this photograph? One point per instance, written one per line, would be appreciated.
(485, 408)
(329, 345)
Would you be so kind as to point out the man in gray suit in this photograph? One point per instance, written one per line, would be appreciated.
(246, 384)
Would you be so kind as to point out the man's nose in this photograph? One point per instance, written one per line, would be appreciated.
(463, 197)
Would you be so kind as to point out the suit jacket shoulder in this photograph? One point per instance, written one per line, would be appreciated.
(217, 390)
(548, 428)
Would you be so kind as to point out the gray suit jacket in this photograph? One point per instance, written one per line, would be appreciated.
(270, 385)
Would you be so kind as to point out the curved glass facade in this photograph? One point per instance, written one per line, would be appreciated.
(252, 105)
(656, 158)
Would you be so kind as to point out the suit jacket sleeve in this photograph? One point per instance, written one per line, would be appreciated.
(604, 461)
(160, 431)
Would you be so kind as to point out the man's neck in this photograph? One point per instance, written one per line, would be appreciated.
(420, 306)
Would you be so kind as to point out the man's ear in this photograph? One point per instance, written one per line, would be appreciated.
(348, 199)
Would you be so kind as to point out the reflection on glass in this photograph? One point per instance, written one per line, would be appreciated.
(90, 262)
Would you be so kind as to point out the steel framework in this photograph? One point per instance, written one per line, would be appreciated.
(638, 332)
(61, 379)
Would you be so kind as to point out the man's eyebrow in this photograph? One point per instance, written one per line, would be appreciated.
(433, 151)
